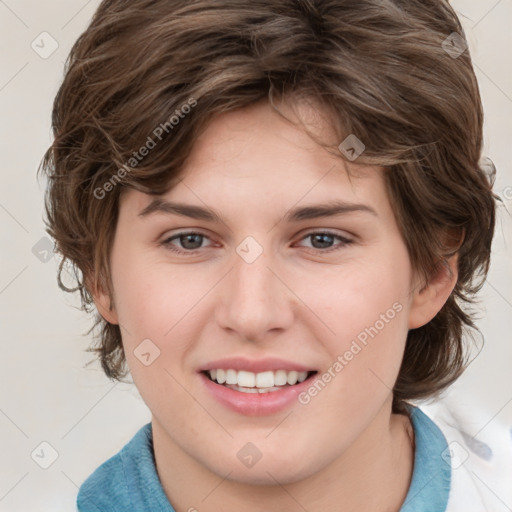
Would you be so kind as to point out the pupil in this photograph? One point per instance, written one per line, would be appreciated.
(187, 238)
(324, 236)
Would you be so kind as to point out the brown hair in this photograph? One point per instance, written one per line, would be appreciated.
(381, 67)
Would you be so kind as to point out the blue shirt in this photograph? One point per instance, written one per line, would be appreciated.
(129, 481)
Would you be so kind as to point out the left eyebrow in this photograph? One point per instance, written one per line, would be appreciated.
(329, 209)
(314, 211)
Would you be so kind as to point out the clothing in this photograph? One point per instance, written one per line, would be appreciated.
(480, 443)
(129, 481)
(431, 477)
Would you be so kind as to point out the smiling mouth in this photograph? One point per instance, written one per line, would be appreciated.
(262, 382)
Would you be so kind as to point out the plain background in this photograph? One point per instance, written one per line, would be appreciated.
(47, 393)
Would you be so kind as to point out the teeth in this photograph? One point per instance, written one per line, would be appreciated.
(265, 380)
(292, 378)
(231, 377)
(245, 379)
(302, 376)
(280, 377)
(262, 380)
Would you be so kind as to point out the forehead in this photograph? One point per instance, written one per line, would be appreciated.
(259, 133)
(258, 142)
(255, 158)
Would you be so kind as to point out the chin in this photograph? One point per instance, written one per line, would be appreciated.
(269, 472)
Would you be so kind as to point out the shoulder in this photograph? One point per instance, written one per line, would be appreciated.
(109, 488)
(104, 488)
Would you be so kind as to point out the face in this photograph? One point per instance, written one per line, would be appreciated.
(263, 291)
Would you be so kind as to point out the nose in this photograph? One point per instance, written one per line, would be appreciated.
(254, 300)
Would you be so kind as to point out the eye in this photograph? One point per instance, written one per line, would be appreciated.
(322, 241)
(189, 240)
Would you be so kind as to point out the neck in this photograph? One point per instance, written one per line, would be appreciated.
(374, 473)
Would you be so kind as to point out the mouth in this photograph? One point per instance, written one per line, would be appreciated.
(256, 387)
(268, 381)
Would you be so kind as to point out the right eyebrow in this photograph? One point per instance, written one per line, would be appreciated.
(186, 210)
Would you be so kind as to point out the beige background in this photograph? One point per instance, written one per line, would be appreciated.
(47, 394)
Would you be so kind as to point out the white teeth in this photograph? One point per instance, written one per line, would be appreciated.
(265, 380)
(252, 382)
(245, 379)
(231, 377)
(280, 377)
(292, 378)
(221, 376)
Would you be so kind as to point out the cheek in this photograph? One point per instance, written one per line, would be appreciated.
(355, 296)
(160, 303)
(150, 298)
(155, 308)
(367, 315)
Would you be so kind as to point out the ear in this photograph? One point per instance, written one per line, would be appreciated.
(102, 301)
(429, 300)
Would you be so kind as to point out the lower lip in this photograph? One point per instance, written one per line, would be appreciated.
(255, 404)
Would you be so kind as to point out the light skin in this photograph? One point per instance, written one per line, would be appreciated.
(297, 301)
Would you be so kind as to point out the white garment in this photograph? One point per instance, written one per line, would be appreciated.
(481, 452)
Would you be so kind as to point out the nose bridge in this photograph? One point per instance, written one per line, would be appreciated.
(253, 298)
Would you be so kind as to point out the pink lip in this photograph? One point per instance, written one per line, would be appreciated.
(255, 365)
(255, 404)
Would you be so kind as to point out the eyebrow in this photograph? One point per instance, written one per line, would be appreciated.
(309, 212)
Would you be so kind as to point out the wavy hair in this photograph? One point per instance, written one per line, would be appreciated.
(395, 73)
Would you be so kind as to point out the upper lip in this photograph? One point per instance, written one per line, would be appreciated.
(254, 365)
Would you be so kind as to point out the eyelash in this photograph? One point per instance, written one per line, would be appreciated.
(168, 242)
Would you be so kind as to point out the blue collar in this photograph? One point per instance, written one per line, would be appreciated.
(431, 478)
(129, 480)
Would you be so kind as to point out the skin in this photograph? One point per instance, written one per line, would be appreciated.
(293, 302)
